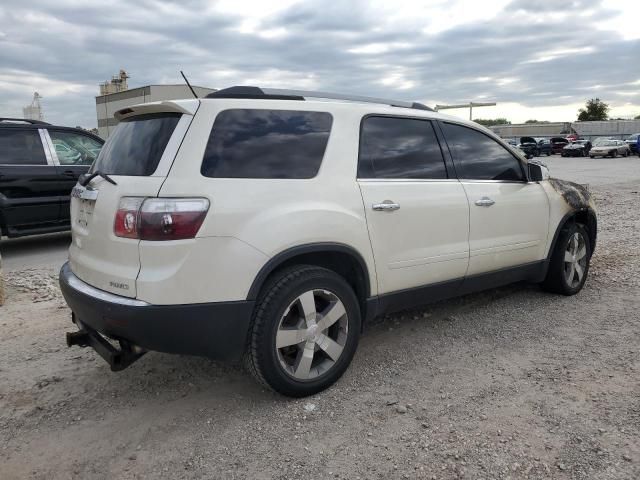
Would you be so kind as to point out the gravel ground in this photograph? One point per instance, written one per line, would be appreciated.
(510, 383)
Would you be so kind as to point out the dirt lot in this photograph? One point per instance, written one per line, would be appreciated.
(512, 383)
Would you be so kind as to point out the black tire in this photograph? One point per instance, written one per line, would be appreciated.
(556, 279)
(614, 153)
(548, 153)
(279, 294)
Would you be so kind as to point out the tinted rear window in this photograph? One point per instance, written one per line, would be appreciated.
(248, 143)
(21, 147)
(394, 147)
(137, 144)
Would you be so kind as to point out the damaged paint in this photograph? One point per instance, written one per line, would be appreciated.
(576, 195)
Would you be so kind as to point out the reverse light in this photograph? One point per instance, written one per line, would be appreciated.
(160, 218)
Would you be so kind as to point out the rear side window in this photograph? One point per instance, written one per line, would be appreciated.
(136, 145)
(21, 147)
(478, 156)
(393, 147)
(248, 143)
(74, 148)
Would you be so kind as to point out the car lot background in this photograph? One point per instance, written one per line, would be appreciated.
(507, 383)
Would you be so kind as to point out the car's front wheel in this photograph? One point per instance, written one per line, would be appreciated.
(305, 331)
(569, 264)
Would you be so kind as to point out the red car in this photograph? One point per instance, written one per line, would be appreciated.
(557, 144)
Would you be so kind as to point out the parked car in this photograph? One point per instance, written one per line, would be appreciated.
(610, 148)
(577, 148)
(632, 141)
(39, 165)
(534, 147)
(272, 225)
(557, 144)
(544, 146)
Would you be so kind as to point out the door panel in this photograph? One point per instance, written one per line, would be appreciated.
(425, 240)
(28, 182)
(508, 217)
(512, 231)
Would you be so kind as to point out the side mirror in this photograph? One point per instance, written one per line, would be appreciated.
(528, 156)
(538, 172)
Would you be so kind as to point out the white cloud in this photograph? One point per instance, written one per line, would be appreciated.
(449, 51)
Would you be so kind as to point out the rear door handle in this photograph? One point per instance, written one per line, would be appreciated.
(69, 173)
(484, 202)
(386, 206)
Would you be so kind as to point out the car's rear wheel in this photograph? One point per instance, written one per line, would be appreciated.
(305, 331)
(569, 265)
(614, 153)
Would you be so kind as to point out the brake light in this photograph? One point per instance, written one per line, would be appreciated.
(160, 218)
(126, 222)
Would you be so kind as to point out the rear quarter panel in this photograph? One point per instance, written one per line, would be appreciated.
(267, 216)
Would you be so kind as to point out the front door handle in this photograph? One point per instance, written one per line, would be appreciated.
(69, 173)
(484, 202)
(386, 206)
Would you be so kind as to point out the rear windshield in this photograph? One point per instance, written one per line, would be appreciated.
(136, 145)
(248, 143)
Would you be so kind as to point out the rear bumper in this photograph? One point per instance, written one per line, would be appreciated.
(216, 330)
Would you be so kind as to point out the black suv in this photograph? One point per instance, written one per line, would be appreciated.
(39, 165)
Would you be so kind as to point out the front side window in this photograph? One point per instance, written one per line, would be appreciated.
(74, 148)
(252, 143)
(21, 147)
(479, 157)
(395, 147)
(136, 145)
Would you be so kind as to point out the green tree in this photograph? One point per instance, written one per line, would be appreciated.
(637, 117)
(490, 122)
(536, 121)
(595, 109)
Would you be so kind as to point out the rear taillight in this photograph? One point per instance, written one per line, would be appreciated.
(127, 217)
(160, 218)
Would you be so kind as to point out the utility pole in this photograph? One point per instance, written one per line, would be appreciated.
(469, 105)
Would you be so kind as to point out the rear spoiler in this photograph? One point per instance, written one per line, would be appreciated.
(186, 107)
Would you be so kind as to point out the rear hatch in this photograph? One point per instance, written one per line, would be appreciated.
(135, 161)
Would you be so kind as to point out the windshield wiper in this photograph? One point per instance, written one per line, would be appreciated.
(86, 178)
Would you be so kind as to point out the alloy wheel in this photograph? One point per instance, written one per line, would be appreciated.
(575, 260)
(312, 334)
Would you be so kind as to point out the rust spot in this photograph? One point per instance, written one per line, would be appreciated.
(576, 195)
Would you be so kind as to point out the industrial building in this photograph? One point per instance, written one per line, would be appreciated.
(619, 129)
(115, 95)
(33, 111)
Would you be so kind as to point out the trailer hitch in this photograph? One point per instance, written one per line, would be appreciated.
(117, 358)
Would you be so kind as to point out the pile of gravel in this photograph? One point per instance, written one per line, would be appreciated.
(42, 284)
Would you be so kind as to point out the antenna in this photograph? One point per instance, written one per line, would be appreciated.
(188, 84)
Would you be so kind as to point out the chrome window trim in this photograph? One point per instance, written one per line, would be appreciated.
(52, 157)
(473, 180)
(405, 180)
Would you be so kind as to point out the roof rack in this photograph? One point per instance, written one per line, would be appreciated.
(24, 120)
(283, 94)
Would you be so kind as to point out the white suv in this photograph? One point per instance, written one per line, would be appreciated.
(273, 224)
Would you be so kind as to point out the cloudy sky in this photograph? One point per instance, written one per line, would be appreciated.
(537, 58)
